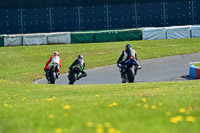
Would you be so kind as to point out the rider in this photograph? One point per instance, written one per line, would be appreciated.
(79, 62)
(129, 53)
(53, 59)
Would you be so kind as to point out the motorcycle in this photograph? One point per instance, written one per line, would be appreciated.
(75, 74)
(128, 71)
(52, 73)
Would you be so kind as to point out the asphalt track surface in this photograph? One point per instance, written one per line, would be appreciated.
(171, 68)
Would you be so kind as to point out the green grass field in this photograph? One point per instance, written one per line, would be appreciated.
(164, 107)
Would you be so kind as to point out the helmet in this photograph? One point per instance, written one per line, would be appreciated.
(128, 45)
(80, 56)
(56, 53)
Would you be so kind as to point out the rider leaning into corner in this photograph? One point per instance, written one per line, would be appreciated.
(81, 63)
(129, 53)
(53, 59)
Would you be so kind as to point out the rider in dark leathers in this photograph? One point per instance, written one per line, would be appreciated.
(79, 62)
(129, 53)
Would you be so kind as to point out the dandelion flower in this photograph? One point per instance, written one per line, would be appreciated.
(58, 130)
(179, 118)
(110, 105)
(53, 97)
(99, 130)
(89, 124)
(111, 130)
(182, 110)
(153, 107)
(5, 105)
(51, 116)
(138, 104)
(160, 103)
(99, 125)
(146, 106)
(114, 104)
(190, 119)
(97, 95)
(173, 120)
(144, 100)
(67, 107)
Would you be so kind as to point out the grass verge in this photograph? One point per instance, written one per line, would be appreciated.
(119, 108)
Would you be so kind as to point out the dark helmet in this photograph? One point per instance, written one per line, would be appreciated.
(128, 45)
(80, 56)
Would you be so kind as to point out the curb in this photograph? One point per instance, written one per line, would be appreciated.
(194, 72)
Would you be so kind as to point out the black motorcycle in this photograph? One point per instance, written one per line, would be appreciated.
(52, 73)
(75, 74)
(128, 71)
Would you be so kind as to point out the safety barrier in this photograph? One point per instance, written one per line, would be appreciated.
(194, 72)
(150, 33)
(1, 40)
(154, 33)
(129, 34)
(13, 40)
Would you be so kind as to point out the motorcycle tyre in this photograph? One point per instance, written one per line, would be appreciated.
(52, 77)
(131, 75)
(72, 78)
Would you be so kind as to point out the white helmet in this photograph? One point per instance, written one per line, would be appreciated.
(56, 53)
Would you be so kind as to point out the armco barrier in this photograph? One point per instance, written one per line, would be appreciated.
(13, 40)
(129, 34)
(1, 40)
(195, 31)
(105, 36)
(82, 37)
(194, 72)
(59, 38)
(154, 33)
(176, 32)
(34, 39)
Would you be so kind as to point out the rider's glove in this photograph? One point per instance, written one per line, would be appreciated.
(119, 65)
(139, 67)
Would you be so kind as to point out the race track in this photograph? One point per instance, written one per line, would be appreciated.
(172, 68)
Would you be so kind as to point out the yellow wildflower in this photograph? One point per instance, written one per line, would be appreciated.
(179, 118)
(89, 124)
(144, 100)
(51, 116)
(173, 120)
(190, 108)
(67, 107)
(97, 95)
(138, 104)
(99, 130)
(190, 119)
(182, 110)
(111, 130)
(160, 103)
(58, 130)
(114, 104)
(146, 106)
(110, 105)
(5, 105)
(153, 107)
(53, 97)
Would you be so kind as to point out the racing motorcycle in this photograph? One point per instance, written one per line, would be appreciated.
(52, 73)
(75, 74)
(128, 71)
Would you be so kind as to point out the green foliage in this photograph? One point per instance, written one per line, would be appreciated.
(198, 64)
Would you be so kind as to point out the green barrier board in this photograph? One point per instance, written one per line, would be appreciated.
(82, 37)
(1, 41)
(106, 36)
(129, 34)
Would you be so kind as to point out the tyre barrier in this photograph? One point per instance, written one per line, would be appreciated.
(194, 72)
